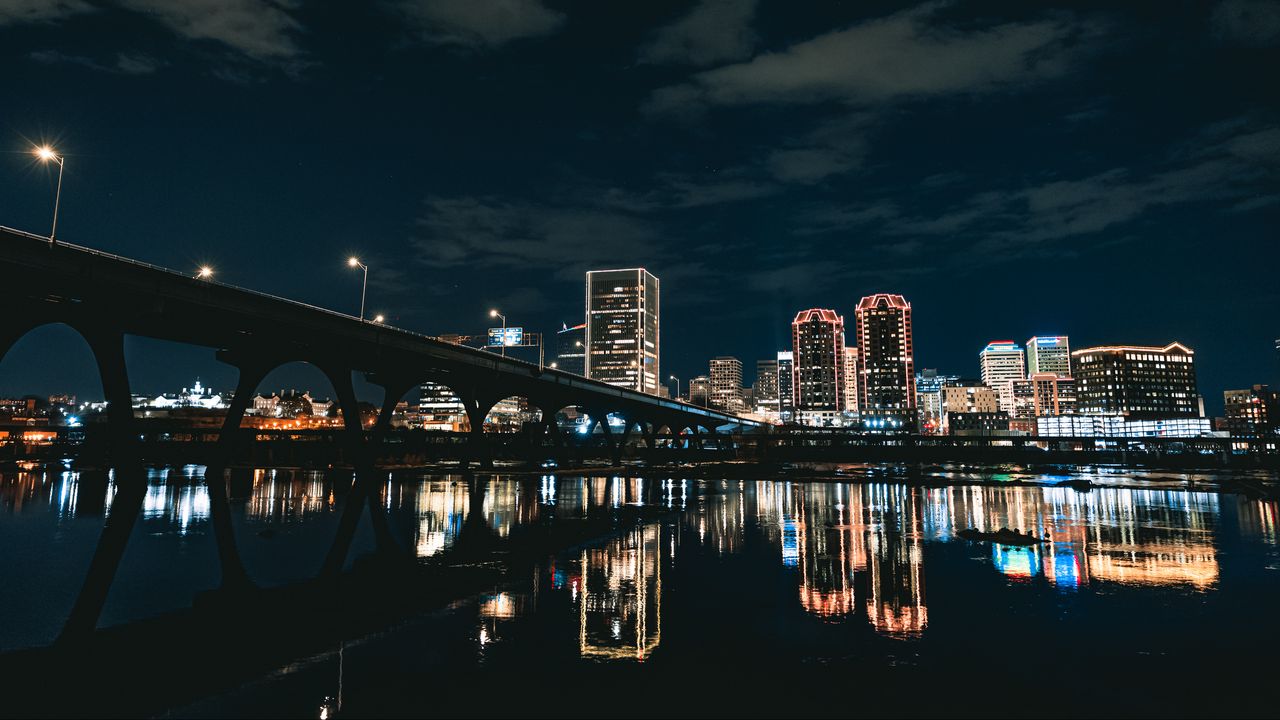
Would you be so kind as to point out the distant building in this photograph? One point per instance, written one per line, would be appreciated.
(700, 390)
(440, 409)
(726, 384)
(197, 396)
(851, 381)
(817, 344)
(1137, 381)
(1115, 426)
(979, 424)
(1002, 362)
(622, 329)
(766, 388)
(1049, 354)
(886, 359)
(571, 349)
(786, 383)
(1053, 394)
(1252, 413)
(929, 386)
(967, 398)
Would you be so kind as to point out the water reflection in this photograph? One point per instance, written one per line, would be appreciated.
(856, 553)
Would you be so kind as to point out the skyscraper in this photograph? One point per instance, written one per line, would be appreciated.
(1137, 381)
(766, 387)
(700, 390)
(817, 343)
(1049, 354)
(571, 349)
(622, 329)
(726, 384)
(886, 359)
(786, 381)
(929, 386)
(851, 379)
(1002, 362)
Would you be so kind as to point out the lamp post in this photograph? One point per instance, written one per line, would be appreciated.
(673, 377)
(364, 286)
(495, 313)
(46, 153)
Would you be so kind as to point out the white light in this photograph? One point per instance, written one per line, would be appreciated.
(46, 153)
(353, 262)
(378, 318)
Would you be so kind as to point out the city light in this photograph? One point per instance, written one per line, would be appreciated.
(378, 318)
(47, 154)
(204, 273)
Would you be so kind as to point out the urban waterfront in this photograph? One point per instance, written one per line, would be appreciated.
(716, 580)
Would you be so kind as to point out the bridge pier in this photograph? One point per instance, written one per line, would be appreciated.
(107, 345)
(362, 462)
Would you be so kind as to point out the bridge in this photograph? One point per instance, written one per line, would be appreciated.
(106, 297)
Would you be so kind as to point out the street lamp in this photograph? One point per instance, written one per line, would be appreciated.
(354, 262)
(673, 377)
(495, 313)
(46, 153)
(378, 319)
(204, 273)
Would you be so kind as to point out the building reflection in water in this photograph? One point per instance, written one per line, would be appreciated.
(618, 590)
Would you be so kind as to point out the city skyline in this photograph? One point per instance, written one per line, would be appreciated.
(1057, 181)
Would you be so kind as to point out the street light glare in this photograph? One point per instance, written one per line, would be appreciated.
(378, 318)
(44, 152)
(205, 272)
(353, 261)
(493, 313)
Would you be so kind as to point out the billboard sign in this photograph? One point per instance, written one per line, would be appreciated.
(506, 337)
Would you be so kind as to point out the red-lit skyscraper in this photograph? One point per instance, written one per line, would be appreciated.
(817, 388)
(886, 359)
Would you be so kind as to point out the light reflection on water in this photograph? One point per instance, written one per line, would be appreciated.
(855, 553)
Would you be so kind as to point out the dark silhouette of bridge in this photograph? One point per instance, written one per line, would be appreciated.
(106, 297)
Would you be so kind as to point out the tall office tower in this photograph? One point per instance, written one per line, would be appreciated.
(766, 387)
(700, 390)
(929, 386)
(1049, 354)
(817, 344)
(851, 380)
(1002, 362)
(1137, 381)
(571, 349)
(886, 359)
(622, 329)
(726, 384)
(786, 383)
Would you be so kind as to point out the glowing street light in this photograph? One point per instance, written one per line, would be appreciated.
(378, 318)
(354, 262)
(204, 273)
(495, 314)
(673, 377)
(46, 154)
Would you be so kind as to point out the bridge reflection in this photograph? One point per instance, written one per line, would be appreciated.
(856, 552)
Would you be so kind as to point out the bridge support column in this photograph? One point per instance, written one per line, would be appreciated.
(251, 374)
(130, 478)
(393, 388)
(362, 463)
(477, 408)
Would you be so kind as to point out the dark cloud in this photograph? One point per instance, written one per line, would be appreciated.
(122, 63)
(1247, 23)
(28, 11)
(715, 31)
(259, 30)
(906, 55)
(471, 24)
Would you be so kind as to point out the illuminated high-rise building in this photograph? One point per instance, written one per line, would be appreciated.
(571, 349)
(766, 387)
(786, 381)
(700, 390)
(851, 380)
(886, 360)
(622, 329)
(817, 339)
(929, 386)
(440, 408)
(1137, 381)
(1049, 354)
(726, 384)
(1002, 362)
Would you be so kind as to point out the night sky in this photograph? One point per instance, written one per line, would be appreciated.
(1109, 171)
